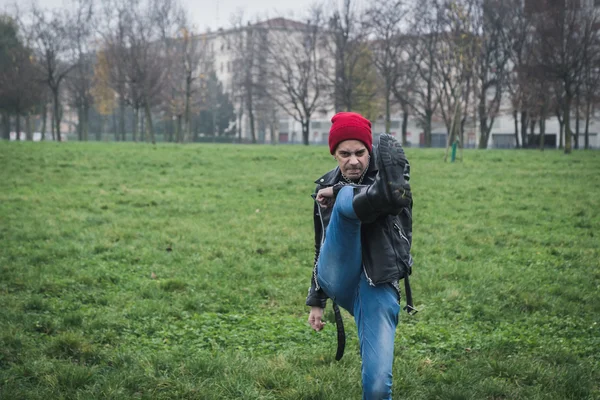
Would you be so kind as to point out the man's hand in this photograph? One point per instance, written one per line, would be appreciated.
(325, 197)
(315, 319)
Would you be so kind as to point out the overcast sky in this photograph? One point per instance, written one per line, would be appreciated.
(212, 13)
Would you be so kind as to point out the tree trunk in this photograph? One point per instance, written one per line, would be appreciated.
(427, 129)
(52, 125)
(404, 125)
(136, 122)
(273, 130)
(142, 119)
(79, 123)
(305, 132)
(121, 121)
(28, 132)
(44, 118)
(388, 117)
(542, 133)
(251, 118)
(484, 129)
(588, 107)
(86, 119)
(567, 118)
(149, 124)
(188, 96)
(524, 142)
(18, 127)
(5, 125)
(57, 116)
(239, 120)
(115, 129)
(454, 127)
(516, 119)
(577, 117)
(215, 129)
(180, 135)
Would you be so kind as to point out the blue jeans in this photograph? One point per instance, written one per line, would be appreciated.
(375, 308)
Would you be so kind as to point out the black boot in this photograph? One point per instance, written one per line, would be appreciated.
(390, 192)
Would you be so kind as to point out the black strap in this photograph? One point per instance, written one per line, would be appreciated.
(410, 309)
(341, 335)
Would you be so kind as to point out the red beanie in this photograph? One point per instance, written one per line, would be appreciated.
(349, 126)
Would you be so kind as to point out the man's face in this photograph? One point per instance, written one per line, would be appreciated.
(352, 157)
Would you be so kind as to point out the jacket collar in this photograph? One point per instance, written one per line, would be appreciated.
(335, 175)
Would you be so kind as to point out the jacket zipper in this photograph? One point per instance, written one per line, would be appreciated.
(410, 259)
(401, 234)
(322, 226)
(398, 259)
(317, 286)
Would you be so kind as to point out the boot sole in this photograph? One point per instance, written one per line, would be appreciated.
(391, 163)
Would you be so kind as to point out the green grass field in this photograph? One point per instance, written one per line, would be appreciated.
(180, 272)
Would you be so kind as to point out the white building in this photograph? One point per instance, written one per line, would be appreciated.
(232, 60)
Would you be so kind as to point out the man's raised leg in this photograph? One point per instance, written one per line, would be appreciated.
(340, 260)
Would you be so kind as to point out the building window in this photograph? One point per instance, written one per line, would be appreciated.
(503, 141)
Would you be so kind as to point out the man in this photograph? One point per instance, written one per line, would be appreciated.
(363, 234)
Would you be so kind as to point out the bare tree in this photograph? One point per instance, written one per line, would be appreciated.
(192, 62)
(406, 82)
(564, 33)
(516, 34)
(591, 88)
(491, 62)
(112, 71)
(105, 98)
(384, 20)
(137, 57)
(294, 58)
(351, 84)
(455, 69)
(80, 81)
(20, 90)
(424, 42)
(245, 42)
(49, 35)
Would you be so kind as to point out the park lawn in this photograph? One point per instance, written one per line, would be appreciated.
(129, 271)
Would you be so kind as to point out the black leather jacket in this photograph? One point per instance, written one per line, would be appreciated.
(386, 242)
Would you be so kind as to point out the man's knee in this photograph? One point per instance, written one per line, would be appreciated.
(378, 387)
(377, 394)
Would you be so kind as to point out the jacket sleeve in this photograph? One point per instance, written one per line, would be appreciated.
(316, 296)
